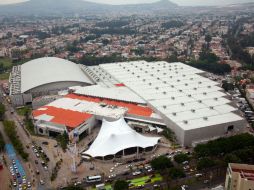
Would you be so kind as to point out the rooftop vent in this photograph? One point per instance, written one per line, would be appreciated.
(182, 104)
(164, 73)
(199, 82)
(164, 92)
(195, 88)
(191, 78)
(176, 72)
(216, 99)
(211, 107)
(172, 86)
(138, 76)
(158, 70)
(150, 84)
(174, 113)
(165, 82)
(193, 111)
(151, 75)
(180, 90)
(133, 73)
(204, 93)
(199, 101)
(184, 75)
(185, 122)
(186, 84)
(178, 80)
(165, 107)
(171, 77)
(146, 71)
(205, 118)
(158, 78)
(209, 86)
(172, 97)
(157, 88)
(189, 95)
(144, 80)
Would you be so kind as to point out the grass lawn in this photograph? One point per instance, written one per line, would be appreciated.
(143, 180)
(7, 63)
(4, 76)
(23, 110)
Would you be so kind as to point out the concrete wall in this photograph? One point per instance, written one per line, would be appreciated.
(21, 99)
(53, 88)
(204, 134)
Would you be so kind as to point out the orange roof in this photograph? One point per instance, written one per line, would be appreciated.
(119, 85)
(133, 109)
(69, 118)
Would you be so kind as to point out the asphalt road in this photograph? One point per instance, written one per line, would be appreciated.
(26, 140)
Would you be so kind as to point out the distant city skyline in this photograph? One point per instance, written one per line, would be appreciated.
(179, 2)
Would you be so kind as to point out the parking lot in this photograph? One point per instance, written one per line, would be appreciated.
(19, 178)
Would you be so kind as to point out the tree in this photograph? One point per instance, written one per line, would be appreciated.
(204, 163)
(73, 188)
(63, 140)
(180, 158)
(176, 173)
(2, 111)
(208, 39)
(161, 163)
(2, 143)
(121, 185)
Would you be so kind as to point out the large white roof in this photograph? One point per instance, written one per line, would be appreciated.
(115, 93)
(49, 70)
(177, 91)
(88, 107)
(116, 136)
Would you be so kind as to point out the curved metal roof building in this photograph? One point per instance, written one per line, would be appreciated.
(48, 70)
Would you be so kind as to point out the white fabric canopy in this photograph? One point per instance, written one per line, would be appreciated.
(116, 136)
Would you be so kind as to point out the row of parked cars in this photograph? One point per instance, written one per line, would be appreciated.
(19, 181)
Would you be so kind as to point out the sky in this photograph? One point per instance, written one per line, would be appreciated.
(179, 2)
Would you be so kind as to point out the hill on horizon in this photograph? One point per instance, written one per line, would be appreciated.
(58, 7)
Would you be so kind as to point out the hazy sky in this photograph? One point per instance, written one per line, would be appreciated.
(179, 2)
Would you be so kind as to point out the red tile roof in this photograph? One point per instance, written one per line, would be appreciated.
(133, 108)
(71, 119)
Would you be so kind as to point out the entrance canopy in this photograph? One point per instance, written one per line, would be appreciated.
(116, 136)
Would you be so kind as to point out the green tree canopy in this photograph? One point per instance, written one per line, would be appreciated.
(180, 158)
(2, 111)
(121, 185)
(161, 163)
(176, 173)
